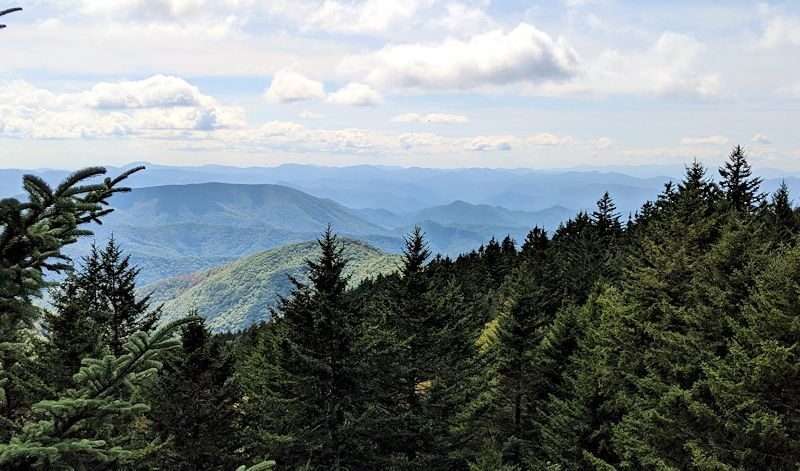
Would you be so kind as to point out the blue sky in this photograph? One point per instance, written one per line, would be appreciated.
(547, 84)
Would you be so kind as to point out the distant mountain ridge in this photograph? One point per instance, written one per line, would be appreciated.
(462, 213)
(266, 205)
(406, 190)
(174, 229)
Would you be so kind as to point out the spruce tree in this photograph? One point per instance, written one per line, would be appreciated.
(750, 398)
(33, 234)
(126, 312)
(194, 404)
(96, 308)
(414, 324)
(740, 187)
(76, 430)
(605, 216)
(781, 218)
(313, 384)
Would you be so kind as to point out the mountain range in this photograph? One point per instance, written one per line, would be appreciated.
(174, 229)
(226, 248)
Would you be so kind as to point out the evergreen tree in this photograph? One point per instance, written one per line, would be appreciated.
(741, 188)
(125, 313)
(33, 234)
(96, 309)
(313, 384)
(750, 397)
(605, 217)
(194, 404)
(781, 219)
(535, 242)
(75, 431)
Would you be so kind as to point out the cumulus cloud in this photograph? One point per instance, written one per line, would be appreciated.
(155, 105)
(430, 118)
(288, 86)
(761, 139)
(153, 92)
(704, 141)
(524, 54)
(217, 17)
(490, 143)
(356, 94)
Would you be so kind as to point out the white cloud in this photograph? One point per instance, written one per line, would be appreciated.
(547, 139)
(430, 118)
(490, 143)
(524, 54)
(154, 106)
(704, 141)
(288, 86)
(761, 139)
(671, 67)
(356, 94)
(578, 3)
(602, 143)
(370, 16)
(462, 19)
(153, 92)
(183, 115)
(781, 30)
(145, 9)
(294, 137)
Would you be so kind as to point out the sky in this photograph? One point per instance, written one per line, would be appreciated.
(469, 83)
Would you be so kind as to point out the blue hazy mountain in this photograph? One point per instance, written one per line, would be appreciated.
(175, 229)
(212, 215)
(405, 190)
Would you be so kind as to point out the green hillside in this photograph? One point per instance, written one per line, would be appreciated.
(236, 295)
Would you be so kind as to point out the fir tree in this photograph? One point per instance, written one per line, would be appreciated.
(313, 384)
(535, 243)
(605, 216)
(72, 432)
(96, 308)
(126, 313)
(414, 323)
(194, 404)
(781, 219)
(33, 234)
(741, 189)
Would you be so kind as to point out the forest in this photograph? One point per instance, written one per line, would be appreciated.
(666, 340)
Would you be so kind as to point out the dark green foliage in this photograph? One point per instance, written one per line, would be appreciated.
(740, 187)
(311, 387)
(95, 310)
(33, 234)
(75, 431)
(194, 404)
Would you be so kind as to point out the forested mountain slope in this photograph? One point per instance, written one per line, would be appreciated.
(234, 296)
